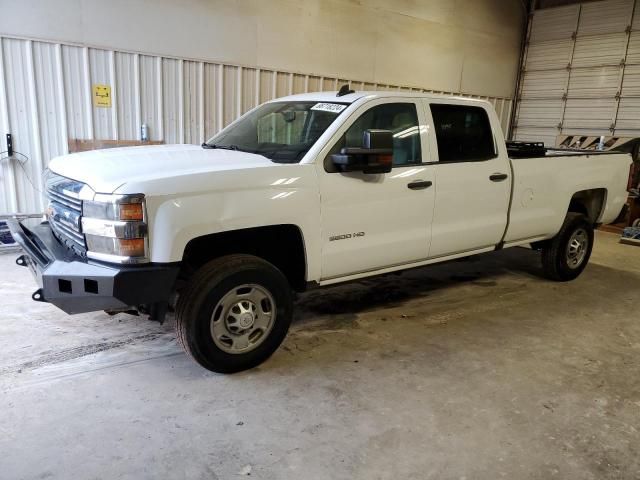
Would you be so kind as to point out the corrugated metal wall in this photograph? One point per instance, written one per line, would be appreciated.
(46, 99)
(581, 72)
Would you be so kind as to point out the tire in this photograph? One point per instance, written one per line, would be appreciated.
(234, 313)
(566, 255)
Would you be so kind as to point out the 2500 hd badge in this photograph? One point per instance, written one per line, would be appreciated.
(345, 236)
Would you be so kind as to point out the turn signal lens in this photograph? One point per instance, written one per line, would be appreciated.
(131, 211)
(120, 247)
(131, 248)
(385, 159)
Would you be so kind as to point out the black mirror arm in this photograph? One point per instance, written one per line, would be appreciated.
(366, 151)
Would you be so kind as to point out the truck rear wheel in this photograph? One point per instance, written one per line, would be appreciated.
(566, 255)
(234, 313)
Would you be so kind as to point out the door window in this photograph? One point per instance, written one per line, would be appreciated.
(401, 119)
(464, 133)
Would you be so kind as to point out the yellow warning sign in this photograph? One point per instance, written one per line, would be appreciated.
(102, 96)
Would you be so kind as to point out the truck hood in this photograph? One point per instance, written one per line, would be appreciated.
(107, 170)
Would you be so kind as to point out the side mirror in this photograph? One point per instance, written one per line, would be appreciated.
(375, 155)
(288, 115)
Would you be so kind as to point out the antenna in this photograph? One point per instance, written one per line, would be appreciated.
(344, 90)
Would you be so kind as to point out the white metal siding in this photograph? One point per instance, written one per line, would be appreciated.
(127, 93)
(151, 112)
(554, 24)
(77, 88)
(600, 18)
(101, 72)
(46, 99)
(581, 72)
(23, 117)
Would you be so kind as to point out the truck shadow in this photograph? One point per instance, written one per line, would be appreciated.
(391, 290)
(482, 301)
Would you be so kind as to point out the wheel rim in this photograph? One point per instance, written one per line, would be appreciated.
(243, 318)
(577, 248)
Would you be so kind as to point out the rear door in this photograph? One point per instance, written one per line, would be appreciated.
(472, 179)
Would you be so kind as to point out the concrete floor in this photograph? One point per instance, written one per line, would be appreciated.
(476, 369)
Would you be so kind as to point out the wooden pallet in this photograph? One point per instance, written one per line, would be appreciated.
(76, 145)
(630, 241)
(616, 228)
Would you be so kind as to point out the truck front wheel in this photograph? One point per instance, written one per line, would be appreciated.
(234, 313)
(565, 256)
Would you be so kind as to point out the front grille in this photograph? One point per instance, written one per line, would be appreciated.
(65, 211)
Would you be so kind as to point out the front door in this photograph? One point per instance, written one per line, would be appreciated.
(373, 221)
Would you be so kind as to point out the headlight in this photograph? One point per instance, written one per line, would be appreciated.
(115, 228)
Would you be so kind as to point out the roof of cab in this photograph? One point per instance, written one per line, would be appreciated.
(331, 96)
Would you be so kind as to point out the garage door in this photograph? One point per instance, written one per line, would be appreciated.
(581, 73)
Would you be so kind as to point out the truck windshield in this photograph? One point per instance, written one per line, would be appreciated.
(281, 131)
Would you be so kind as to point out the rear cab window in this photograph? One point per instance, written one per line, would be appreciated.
(463, 133)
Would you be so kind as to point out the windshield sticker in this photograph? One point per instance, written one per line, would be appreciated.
(329, 107)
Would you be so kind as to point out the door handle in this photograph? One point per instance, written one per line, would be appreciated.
(419, 184)
(498, 177)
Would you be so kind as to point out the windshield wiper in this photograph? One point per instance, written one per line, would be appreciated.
(231, 147)
(222, 147)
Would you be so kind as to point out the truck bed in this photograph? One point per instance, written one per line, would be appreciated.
(544, 185)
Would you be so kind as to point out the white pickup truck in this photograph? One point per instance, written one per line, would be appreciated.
(306, 190)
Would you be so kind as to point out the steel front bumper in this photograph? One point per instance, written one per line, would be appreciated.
(76, 285)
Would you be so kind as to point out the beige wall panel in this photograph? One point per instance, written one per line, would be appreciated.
(188, 68)
(416, 53)
(419, 43)
(486, 64)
